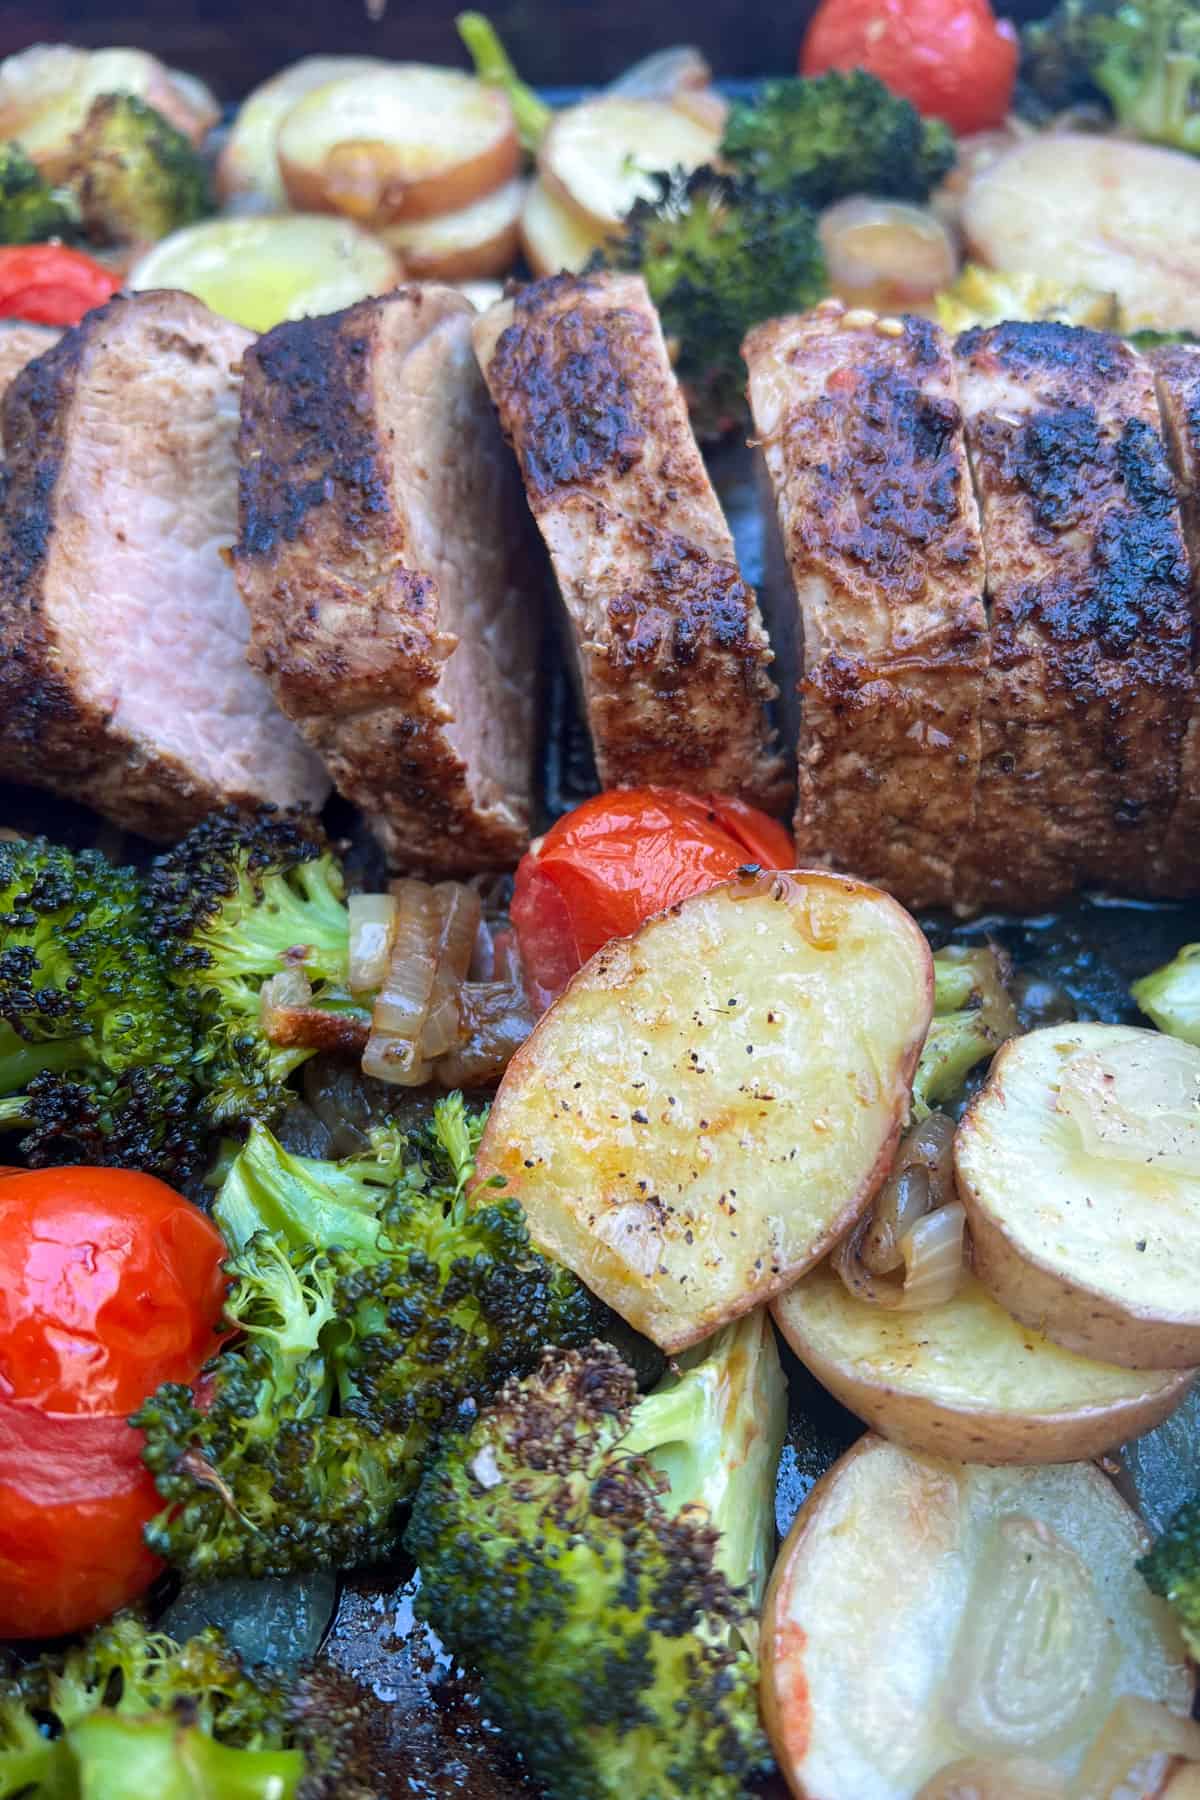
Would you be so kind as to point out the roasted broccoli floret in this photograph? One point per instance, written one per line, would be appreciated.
(246, 898)
(130, 1713)
(818, 140)
(1171, 995)
(371, 1300)
(95, 1049)
(30, 209)
(1172, 1569)
(718, 256)
(973, 1014)
(493, 65)
(1139, 57)
(136, 177)
(988, 296)
(581, 1551)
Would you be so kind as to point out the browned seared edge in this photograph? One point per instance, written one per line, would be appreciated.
(349, 620)
(1177, 377)
(1090, 680)
(860, 428)
(671, 649)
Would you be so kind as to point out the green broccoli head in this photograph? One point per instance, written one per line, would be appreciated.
(1139, 57)
(96, 1051)
(1172, 1569)
(30, 209)
(136, 176)
(243, 899)
(837, 134)
(570, 1555)
(973, 1014)
(1171, 995)
(718, 256)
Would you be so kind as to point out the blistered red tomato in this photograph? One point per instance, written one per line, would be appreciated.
(110, 1284)
(952, 58)
(620, 857)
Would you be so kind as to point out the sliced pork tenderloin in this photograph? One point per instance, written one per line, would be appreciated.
(670, 648)
(1090, 684)
(876, 602)
(384, 557)
(1177, 377)
(123, 674)
(19, 344)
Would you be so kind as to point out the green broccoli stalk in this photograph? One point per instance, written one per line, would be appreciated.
(1171, 995)
(1139, 57)
(718, 256)
(1172, 1569)
(494, 67)
(575, 1548)
(821, 139)
(135, 176)
(95, 1049)
(973, 1015)
(370, 1299)
(129, 1712)
(244, 899)
(30, 209)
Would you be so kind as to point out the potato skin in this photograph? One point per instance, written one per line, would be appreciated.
(428, 254)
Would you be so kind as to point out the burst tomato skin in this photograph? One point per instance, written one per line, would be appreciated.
(110, 1284)
(604, 868)
(952, 58)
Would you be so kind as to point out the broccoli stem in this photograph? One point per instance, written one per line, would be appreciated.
(129, 1759)
(494, 66)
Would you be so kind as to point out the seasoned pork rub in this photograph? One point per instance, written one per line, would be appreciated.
(1177, 377)
(671, 651)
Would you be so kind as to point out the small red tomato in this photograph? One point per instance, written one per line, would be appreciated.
(51, 285)
(952, 58)
(620, 857)
(110, 1284)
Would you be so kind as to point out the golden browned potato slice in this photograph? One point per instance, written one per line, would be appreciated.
(1095, 212)
(480, 239)
(553, 236)
(923, 1612)
(1079, 1166)
(965, 1380)
(248, 177)
(403, 142)
(715, 1099)
(47, 91)
(597, 157)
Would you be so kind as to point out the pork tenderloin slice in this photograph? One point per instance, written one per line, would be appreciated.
(670, 648)
(882, 574)
(123, 675)
(1090, 681)
(19, 344)
(384, 557)
(1177, 379)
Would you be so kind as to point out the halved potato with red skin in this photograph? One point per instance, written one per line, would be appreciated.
(714, 1100)
(406, 141)
(553, 236)
(478, 240)
(598, 157)
(248, 177)
(922, 1613)
(965, 1380)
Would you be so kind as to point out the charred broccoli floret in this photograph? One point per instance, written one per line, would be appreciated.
(718, 256)
(135, 175)
(973, 1014)
(95, 1049)
(1141, 58)
(493, 65)
(1171, 995)
(30, 209)
(1172, 1569)
(818, 140)
(130, 1713)
(598, 1561)
(246, 898)
(371, 1299)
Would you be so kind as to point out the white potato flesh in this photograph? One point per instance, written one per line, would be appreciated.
(553, 236)
(478, 240)
(248, 177)
(597, 158)
(260, 271)
(1095, 211)
(407, 141)
(925, 1612)
(714, 1100)
(966, 1380)
(1086, 1225)
(47, 91)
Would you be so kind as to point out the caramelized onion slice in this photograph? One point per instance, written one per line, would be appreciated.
(372, 928)
(402, 1005)
(916, 1225)
(460, 912)
(496, 1020)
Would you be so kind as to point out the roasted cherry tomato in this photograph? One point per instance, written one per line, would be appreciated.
(605, 867)
(952, 58)
(110, 1284)
(51, 285)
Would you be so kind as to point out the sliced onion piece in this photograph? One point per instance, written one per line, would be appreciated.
(1137, 1101)
(496, 1020)
(372, 928)
(1136, 1752)
(886, 252)
(460, 911)
(915, 1224)
(402, 1005)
